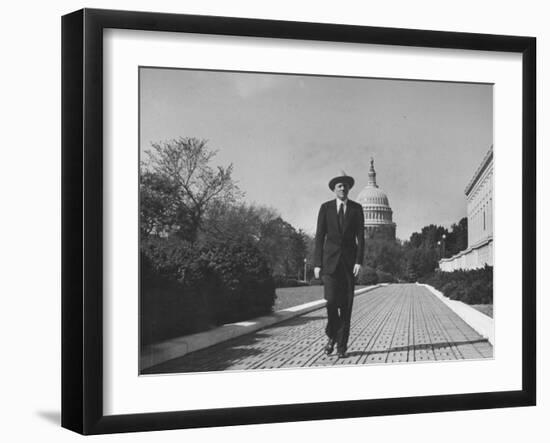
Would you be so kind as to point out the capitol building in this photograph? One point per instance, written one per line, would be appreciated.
(379, 223)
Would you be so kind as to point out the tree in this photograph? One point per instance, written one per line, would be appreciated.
(457, 240)
(430, 235)
(178, 186)
(281, 244)
(157, 209)
(383, 255)
(419, 262)
(284, 247)
(237, 221)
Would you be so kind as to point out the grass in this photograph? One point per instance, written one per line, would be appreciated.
(484, 309)
(289, 297)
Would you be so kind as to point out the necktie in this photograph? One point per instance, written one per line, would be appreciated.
(341, 217)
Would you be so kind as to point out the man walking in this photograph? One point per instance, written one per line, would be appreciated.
(339, 246)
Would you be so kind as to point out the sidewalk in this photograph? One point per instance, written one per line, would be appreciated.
(396, 323)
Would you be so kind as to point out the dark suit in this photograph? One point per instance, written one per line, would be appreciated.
(337, 250)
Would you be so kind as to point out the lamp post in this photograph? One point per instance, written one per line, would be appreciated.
(305, 269)
(439, 249)
(443, 245)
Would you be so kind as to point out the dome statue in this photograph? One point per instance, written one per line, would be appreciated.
(377, 210)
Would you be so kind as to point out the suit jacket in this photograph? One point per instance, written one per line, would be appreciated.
(331, 245)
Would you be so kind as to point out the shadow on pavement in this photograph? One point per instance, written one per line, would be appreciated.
(228, 353)
(423, 346)
(418, 347)
(215, 358)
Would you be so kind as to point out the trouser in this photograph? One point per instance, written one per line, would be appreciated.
(339, 287)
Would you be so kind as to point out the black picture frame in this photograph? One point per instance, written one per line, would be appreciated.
(82, 217)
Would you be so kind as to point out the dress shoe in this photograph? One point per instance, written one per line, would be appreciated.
(329, 347)
(341, 354)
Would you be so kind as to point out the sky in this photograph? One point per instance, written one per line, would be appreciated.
(288, 135)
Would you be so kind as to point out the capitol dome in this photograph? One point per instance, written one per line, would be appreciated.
(376, 207)
(373, 196)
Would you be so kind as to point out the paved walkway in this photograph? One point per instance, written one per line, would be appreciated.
(396, 323)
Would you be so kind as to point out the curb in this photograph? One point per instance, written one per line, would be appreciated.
(481, 323)
(178, 347)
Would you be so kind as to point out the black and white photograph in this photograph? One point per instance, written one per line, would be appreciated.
(275, 221)
(298, 221)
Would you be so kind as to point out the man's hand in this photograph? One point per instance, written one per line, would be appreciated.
(317, 272)
(356, 270)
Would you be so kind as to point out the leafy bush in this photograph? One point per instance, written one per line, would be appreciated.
(186, 289)
(168, 307)
(473, 287)
(168, 258)
(367, 276)
(245, 286)
(385, 277)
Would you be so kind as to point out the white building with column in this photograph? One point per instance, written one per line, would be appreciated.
(479, 207)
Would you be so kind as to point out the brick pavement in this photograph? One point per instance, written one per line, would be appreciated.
(396, 323)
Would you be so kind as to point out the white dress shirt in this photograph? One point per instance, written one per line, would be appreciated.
(339, 203)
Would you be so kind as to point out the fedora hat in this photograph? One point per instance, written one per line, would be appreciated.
(343, 178)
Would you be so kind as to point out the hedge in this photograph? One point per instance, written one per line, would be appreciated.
(169, 308)
(187, 289)
(473, 287)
